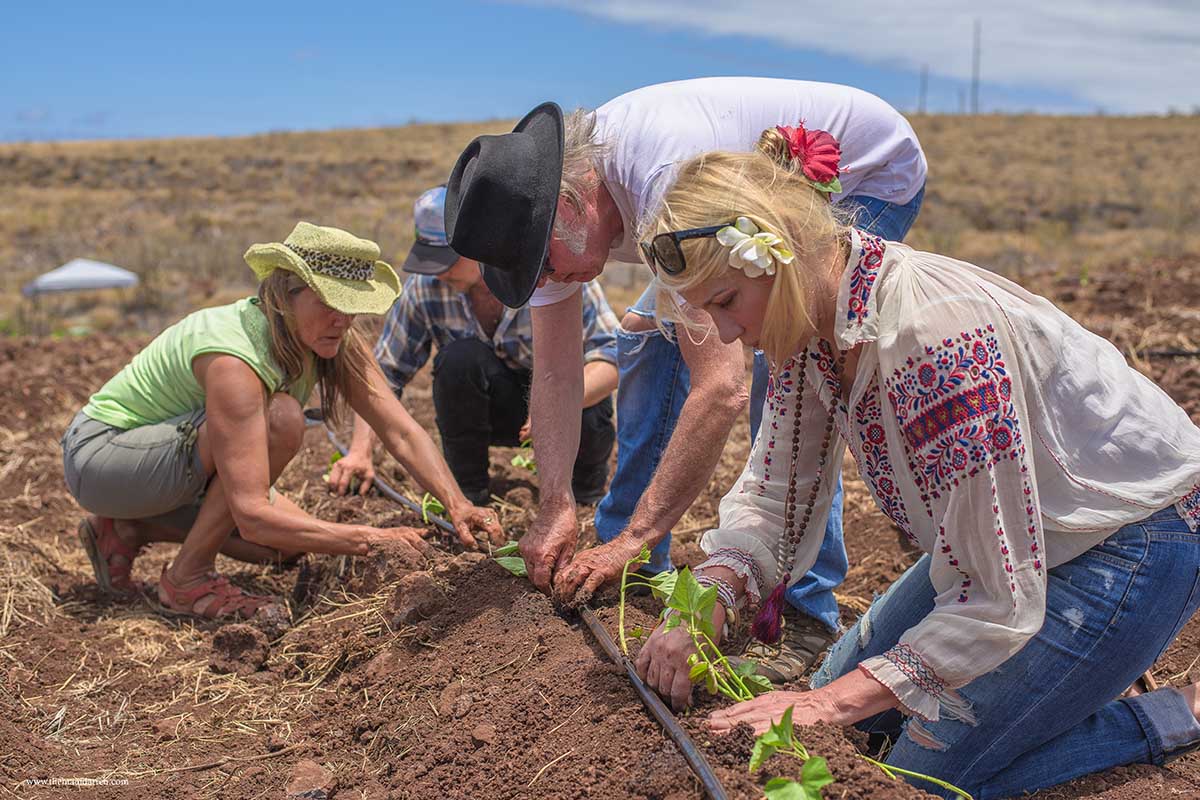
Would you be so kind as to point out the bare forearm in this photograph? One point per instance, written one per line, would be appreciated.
(363, 438)
(556, 398)
(599, 381)
(686, 466)
(417, 453)
(284, 526)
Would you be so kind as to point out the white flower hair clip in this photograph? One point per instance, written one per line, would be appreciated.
(753, 251)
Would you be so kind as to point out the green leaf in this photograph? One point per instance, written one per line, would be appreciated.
(336, 457)
(782, 731)
(813, 775)
(694, 601)
(757, 684)
(506, 549)
(832, 186)
(785, 789)
(662, 584)
(637, 633)
(514, 564)
(761, 752)
(699, 670)
(431, 505)
(745, 669)
(710, 681)
(673, 622)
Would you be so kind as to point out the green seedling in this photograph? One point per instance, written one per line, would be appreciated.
(524, 459)
(895, 772)
(431, 505)
(660, 585)
(708, 665)
(505, 557)
(814, 774)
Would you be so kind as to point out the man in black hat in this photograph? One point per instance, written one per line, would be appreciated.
(481, 372)
(559, 198)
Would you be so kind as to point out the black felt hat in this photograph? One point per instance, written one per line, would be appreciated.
(500, 202)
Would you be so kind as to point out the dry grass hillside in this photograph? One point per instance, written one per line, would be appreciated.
(1068, 195)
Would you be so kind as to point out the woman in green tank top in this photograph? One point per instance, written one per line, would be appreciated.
(185, 442)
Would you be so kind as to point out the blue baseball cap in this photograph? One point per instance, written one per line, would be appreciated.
(431, 253)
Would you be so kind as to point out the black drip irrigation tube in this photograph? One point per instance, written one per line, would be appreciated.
(658, 710)
(392, 494)
(691, 754)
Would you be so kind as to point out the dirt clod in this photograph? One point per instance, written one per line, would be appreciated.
(239, 648)
(310, 781)
(417, 597)
(483, 733)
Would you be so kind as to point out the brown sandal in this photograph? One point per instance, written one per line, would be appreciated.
(101, 546)
(228, 601)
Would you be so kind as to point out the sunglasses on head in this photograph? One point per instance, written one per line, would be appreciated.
(664, 251)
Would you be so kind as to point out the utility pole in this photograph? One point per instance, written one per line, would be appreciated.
(924, 88)
(975, 69)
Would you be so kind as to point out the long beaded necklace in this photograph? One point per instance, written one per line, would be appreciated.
(768, 623)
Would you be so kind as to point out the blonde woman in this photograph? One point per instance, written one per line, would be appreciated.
(1053, 489)
(185, 442)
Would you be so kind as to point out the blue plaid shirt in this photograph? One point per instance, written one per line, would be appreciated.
(429, 311)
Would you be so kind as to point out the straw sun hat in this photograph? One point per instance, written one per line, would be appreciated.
(344, 270)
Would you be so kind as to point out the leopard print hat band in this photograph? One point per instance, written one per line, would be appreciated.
(335, 265)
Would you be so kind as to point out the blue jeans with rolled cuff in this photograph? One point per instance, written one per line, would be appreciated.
(1050, 713)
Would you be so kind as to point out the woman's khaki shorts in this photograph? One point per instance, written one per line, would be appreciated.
(152, 472)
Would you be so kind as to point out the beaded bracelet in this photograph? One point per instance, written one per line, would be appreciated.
(725, 595)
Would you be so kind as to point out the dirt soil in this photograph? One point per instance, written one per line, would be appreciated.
(413, 680)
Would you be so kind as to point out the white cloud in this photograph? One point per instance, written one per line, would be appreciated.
(1127, 57)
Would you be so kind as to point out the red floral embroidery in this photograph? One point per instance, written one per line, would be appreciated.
(958, 421)
(956, 411)
(862, 277)
(876, 464)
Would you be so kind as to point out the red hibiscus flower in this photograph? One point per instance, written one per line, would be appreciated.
(817, 151)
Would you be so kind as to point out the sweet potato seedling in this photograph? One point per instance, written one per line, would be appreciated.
(505, 557)
(524, 459)
(431, 505)
(693, 604)
(814, 774)
(660, 585)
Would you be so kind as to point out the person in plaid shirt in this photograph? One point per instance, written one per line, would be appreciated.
(483, 365)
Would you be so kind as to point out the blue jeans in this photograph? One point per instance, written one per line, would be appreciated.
(1048, 714)
(813, 594)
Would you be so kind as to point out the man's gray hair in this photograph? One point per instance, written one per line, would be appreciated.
(582, 153)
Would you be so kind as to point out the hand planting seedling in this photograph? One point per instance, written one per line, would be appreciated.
(524, 459)
(814, 774)
(504, 556)
(693, 606)
(660, 585)
(333, 459)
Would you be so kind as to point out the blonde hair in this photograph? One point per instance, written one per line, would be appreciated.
(350, 367)
(768, 188)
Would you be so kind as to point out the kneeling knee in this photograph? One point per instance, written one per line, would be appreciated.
(285, 423)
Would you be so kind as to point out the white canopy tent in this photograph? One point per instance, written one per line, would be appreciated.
(81, 274)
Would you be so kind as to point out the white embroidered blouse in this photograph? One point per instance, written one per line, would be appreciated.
(998, 433)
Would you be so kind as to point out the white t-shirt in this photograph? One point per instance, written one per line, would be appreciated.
(650, 130)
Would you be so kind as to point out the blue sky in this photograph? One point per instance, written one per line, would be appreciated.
(120, 69)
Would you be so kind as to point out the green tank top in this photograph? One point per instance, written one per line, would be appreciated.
(158, 383)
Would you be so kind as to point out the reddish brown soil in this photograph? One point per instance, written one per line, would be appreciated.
(403, 679)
